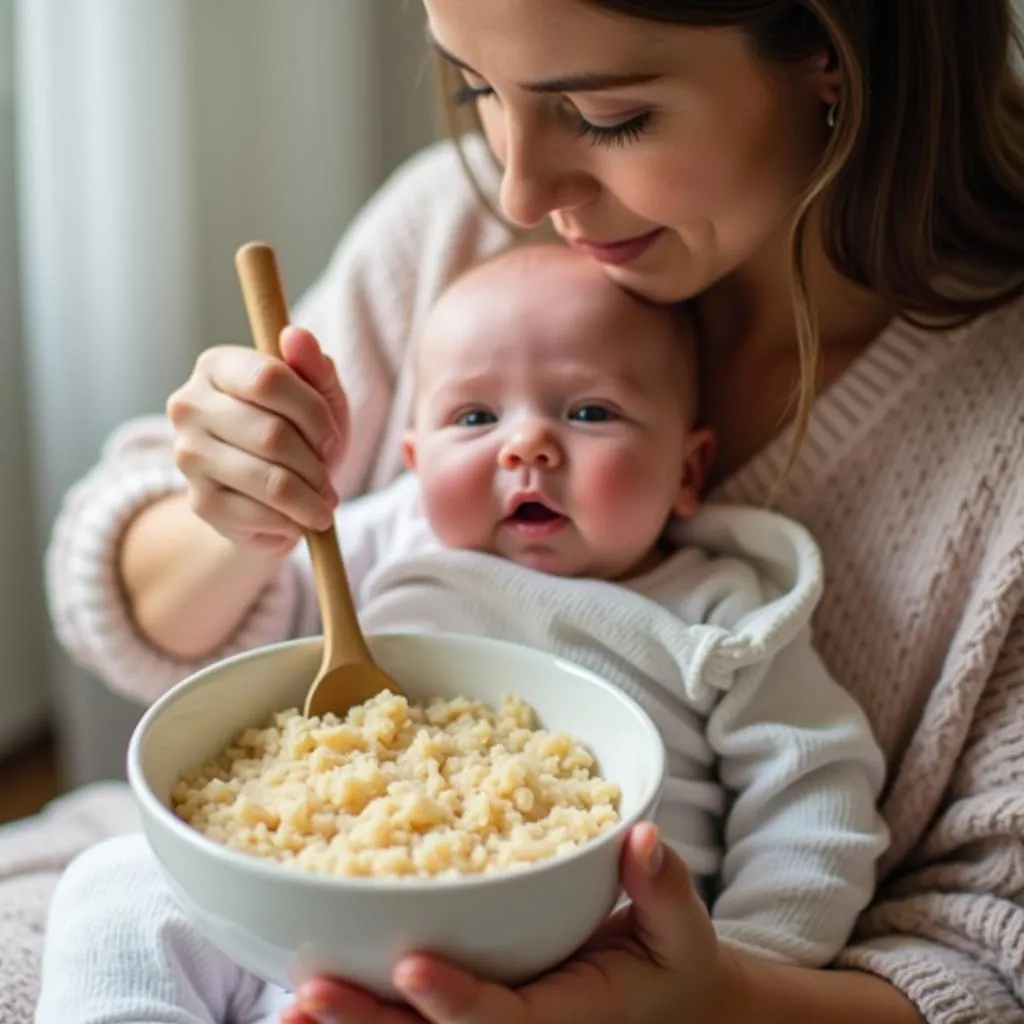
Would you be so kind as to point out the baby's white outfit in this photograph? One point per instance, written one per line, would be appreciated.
(773, 771)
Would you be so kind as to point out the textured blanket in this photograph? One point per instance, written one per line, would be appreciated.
(33, 852)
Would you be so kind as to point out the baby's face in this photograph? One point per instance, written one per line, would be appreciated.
(553, 418)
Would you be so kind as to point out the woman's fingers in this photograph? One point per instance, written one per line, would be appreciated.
(272, 385)
(303, 354)
(266, 436)
(219, 472)
(326, 1001)
(258, 441)
(242, 519)
(668, 916)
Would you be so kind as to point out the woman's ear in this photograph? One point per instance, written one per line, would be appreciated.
(409, 450)
(826, 78)
(699, 457)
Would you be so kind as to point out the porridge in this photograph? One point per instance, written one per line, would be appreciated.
(394, 789)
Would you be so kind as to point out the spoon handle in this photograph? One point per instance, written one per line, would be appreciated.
(267, 310)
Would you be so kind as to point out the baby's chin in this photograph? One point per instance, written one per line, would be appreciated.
(552, 563)
(578, 565)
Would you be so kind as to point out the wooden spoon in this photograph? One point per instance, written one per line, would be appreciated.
(348, 674)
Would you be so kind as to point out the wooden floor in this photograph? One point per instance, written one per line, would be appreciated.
(28, 780)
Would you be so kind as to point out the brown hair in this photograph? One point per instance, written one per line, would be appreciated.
(922, 183)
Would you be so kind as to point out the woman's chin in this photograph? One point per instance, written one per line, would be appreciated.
(665, 283)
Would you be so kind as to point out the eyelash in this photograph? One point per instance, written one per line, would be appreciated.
(614, 135)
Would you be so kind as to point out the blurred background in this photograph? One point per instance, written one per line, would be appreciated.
(141, 141)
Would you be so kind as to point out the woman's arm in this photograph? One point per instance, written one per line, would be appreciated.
(949, 930)
(136, 485)
(943, 943)
(188, 605)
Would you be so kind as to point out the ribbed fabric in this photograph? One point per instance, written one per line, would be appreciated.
(911, 482)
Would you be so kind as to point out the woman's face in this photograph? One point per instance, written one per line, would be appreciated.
(672, 155)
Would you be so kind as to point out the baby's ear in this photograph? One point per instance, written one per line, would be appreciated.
(409, 450)
(699, 457)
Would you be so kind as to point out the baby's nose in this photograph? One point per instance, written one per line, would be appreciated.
(530, 447)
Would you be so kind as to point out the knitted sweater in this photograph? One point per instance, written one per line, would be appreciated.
(910, 480)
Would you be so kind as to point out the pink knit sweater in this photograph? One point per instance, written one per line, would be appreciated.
(912, 481)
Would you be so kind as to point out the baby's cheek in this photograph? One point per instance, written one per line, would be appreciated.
(457, 499)
(626, 495)
(616, 476)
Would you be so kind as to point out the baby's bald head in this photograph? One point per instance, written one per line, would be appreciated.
(546, 297)
(536, 372)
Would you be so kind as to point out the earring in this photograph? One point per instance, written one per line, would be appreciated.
(830, 117)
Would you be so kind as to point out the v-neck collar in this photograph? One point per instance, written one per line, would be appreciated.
(873, 383)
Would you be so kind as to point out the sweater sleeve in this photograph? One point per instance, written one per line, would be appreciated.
(89, 609)
(411, 237)
(802, 836)
(948, 929)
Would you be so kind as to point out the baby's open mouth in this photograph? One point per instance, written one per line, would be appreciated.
(533, 512)
(535, 521)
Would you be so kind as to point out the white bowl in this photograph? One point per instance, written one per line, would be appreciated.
(283, 925)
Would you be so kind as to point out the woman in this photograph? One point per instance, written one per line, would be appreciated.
(839, 188)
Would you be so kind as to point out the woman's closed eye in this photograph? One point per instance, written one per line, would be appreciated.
(468, 93)
(618, 134)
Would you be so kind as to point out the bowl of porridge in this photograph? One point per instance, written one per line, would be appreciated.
(481, 818)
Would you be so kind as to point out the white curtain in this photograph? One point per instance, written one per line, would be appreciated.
(150, 138)
(22, 670)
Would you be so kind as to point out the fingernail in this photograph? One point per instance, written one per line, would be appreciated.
(422, 994)
(329, 447)
(415, 989)
(330, 495)
(655, 859)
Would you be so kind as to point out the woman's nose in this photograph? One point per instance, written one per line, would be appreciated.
(530, 447)
(540, 175)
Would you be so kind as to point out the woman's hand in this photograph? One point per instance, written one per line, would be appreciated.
(654, 962)
(260, 440)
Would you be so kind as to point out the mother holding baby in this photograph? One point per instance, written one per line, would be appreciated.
(837, 189)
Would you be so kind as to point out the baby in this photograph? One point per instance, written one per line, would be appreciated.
(554, 421)
(553, 500)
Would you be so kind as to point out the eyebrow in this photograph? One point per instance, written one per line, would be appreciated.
(591, 81)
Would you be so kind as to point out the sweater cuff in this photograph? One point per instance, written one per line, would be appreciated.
(947, 987)
(91, 614)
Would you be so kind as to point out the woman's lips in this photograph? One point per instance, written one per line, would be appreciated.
(626, 251)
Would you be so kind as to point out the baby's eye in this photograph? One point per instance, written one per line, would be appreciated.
(591, 414)
(476, 418)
